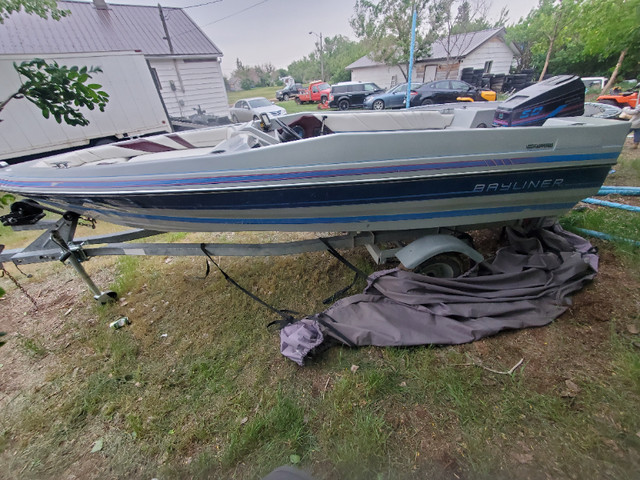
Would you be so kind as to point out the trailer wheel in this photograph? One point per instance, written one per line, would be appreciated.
(445, 265)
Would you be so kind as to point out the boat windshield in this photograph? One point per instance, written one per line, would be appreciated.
(260, 102)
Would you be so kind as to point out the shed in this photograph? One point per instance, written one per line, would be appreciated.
(184, 62)
(486, 49)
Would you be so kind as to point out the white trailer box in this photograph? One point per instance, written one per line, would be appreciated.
(134, 108)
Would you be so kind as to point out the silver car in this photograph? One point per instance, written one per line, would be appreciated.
(249, 109)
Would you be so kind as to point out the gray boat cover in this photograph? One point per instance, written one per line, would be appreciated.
(527, 284)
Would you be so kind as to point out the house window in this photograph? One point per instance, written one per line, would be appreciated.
(487, 66)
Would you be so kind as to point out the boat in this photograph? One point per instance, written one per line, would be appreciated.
(464, 165)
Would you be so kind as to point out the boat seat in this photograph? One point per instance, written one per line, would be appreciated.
(77, 158)
(387, 121)
(140, 148)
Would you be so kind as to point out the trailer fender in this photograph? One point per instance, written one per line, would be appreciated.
(429, 246)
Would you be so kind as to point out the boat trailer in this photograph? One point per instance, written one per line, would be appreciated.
(58, 243)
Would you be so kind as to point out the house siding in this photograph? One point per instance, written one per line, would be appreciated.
(493, 50)
(381, 75)
(197, 84)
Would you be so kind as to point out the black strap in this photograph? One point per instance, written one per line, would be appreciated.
(284, 314)
(333, 330)
(340, 292)
(358, 273)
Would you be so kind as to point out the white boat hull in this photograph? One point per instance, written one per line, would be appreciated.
(343, 181)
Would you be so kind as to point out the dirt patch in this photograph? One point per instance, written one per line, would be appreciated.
(35, 319)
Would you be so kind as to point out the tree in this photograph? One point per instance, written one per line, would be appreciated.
(611, 28)
(471, 16)
(258, 76)
(267, 74)
(59, 91)
(549, 25)
(385, 28)
(524, 38)
(338, 52)
(42, 8)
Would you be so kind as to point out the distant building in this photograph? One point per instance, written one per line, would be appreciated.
(184, 62)
(486, 49)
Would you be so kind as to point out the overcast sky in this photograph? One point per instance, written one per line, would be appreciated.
(277, 31)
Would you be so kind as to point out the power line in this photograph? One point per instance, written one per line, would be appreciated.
(201, 4)
(199, 27)
(236, 13)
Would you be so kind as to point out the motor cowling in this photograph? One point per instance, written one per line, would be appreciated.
(559, 96)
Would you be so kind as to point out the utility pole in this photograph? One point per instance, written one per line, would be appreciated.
(166, 30)
(321, 54)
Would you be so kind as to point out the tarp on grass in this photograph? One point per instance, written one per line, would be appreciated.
(527, 284)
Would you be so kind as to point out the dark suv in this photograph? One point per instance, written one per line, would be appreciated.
(288, 92)
(351, 94)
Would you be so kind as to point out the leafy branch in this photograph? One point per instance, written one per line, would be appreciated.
(59, 91)
(42, 8)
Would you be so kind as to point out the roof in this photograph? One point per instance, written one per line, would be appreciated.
(462, 44)
(117, 28)
(458, 46)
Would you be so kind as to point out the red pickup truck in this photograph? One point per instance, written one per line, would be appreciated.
(317, 92)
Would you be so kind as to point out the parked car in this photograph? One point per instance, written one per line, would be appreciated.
(290, 91)
(249, 109)
(446, 91)
(347, 95)
(393, 98)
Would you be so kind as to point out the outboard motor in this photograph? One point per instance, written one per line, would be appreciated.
(560, 96)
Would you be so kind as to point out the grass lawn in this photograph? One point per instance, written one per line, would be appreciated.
(195, 387)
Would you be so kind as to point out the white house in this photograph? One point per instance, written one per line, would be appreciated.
(486, 49)
(184, 62)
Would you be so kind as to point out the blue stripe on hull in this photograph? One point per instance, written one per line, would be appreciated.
(346, 194)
